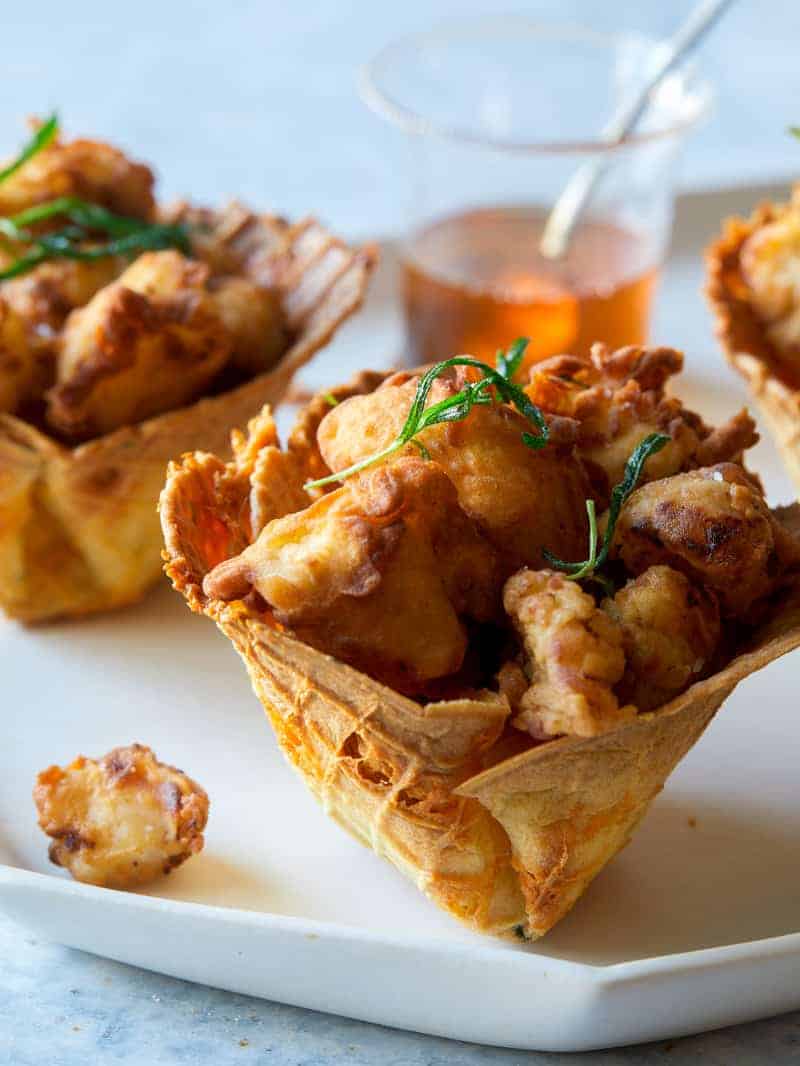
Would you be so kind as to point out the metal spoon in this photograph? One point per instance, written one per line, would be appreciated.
(570, 205)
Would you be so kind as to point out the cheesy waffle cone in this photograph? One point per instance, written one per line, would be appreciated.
(502, 833)
(78, 526)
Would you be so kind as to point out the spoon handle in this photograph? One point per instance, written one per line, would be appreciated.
(577, 192)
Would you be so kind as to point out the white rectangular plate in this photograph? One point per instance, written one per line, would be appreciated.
(695, 925)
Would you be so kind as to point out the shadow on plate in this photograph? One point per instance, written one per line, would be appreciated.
(693, 877)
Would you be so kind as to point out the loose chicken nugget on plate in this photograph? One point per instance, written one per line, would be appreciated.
(122, 820)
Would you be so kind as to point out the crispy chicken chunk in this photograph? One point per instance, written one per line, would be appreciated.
(618, 398)
(20, 370)
(713, 525)
(151, 341)
(379, 573)
(770, 264)
(574, 657)
(91, 170)
(45, 296)
(670, 631)
(122, 820)
(522, 500)
(254, 320)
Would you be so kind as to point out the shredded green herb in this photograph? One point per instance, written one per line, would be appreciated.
(457, 407)
(795, 131)
(330, 399)
(588, 569)
(87, 222)
(42, 137)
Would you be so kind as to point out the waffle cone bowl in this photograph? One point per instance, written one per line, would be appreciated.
(500, 831)
(78, 525)
(772, 379)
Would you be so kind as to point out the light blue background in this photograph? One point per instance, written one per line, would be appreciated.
(259, 100)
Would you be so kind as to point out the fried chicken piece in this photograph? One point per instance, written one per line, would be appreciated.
(151, 341)
(618, 399)
(302, 441)
(254, 320)
(122, 820)
(713, 525)
(670, 629)
(574, 658)
(522, 500)
(770, 265)
(20, 370)
(90, 170)
(46, 295)
(378, 573)
(38, 304)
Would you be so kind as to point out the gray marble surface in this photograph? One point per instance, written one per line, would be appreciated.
(259, 99)
(63, 1008)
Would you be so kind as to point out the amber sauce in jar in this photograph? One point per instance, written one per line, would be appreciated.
(474, 282)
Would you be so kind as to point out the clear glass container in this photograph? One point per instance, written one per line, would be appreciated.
(499, 113)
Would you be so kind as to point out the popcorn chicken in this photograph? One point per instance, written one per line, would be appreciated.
(713, 525)
(618, 398)
(20, 371)
(45, 296)
(91, 170)
(670, 629)
(120, 821)
(151, 341)
(254, 320)
(522, 500)
(379, 573)
(574, 656)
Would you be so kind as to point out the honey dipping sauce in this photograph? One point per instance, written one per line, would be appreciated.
(475, 281)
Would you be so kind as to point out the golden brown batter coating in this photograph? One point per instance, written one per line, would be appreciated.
(713, 525)
(574, 658)
(120, 821)
(618, 398)
(378, 573)
(254, 321)
(522, 500)
(151, 341)
(45, 296)
(91, 170)
(671, 630)
(20, 370)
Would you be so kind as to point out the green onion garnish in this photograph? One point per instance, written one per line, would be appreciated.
(587, 570)
(456, 407)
